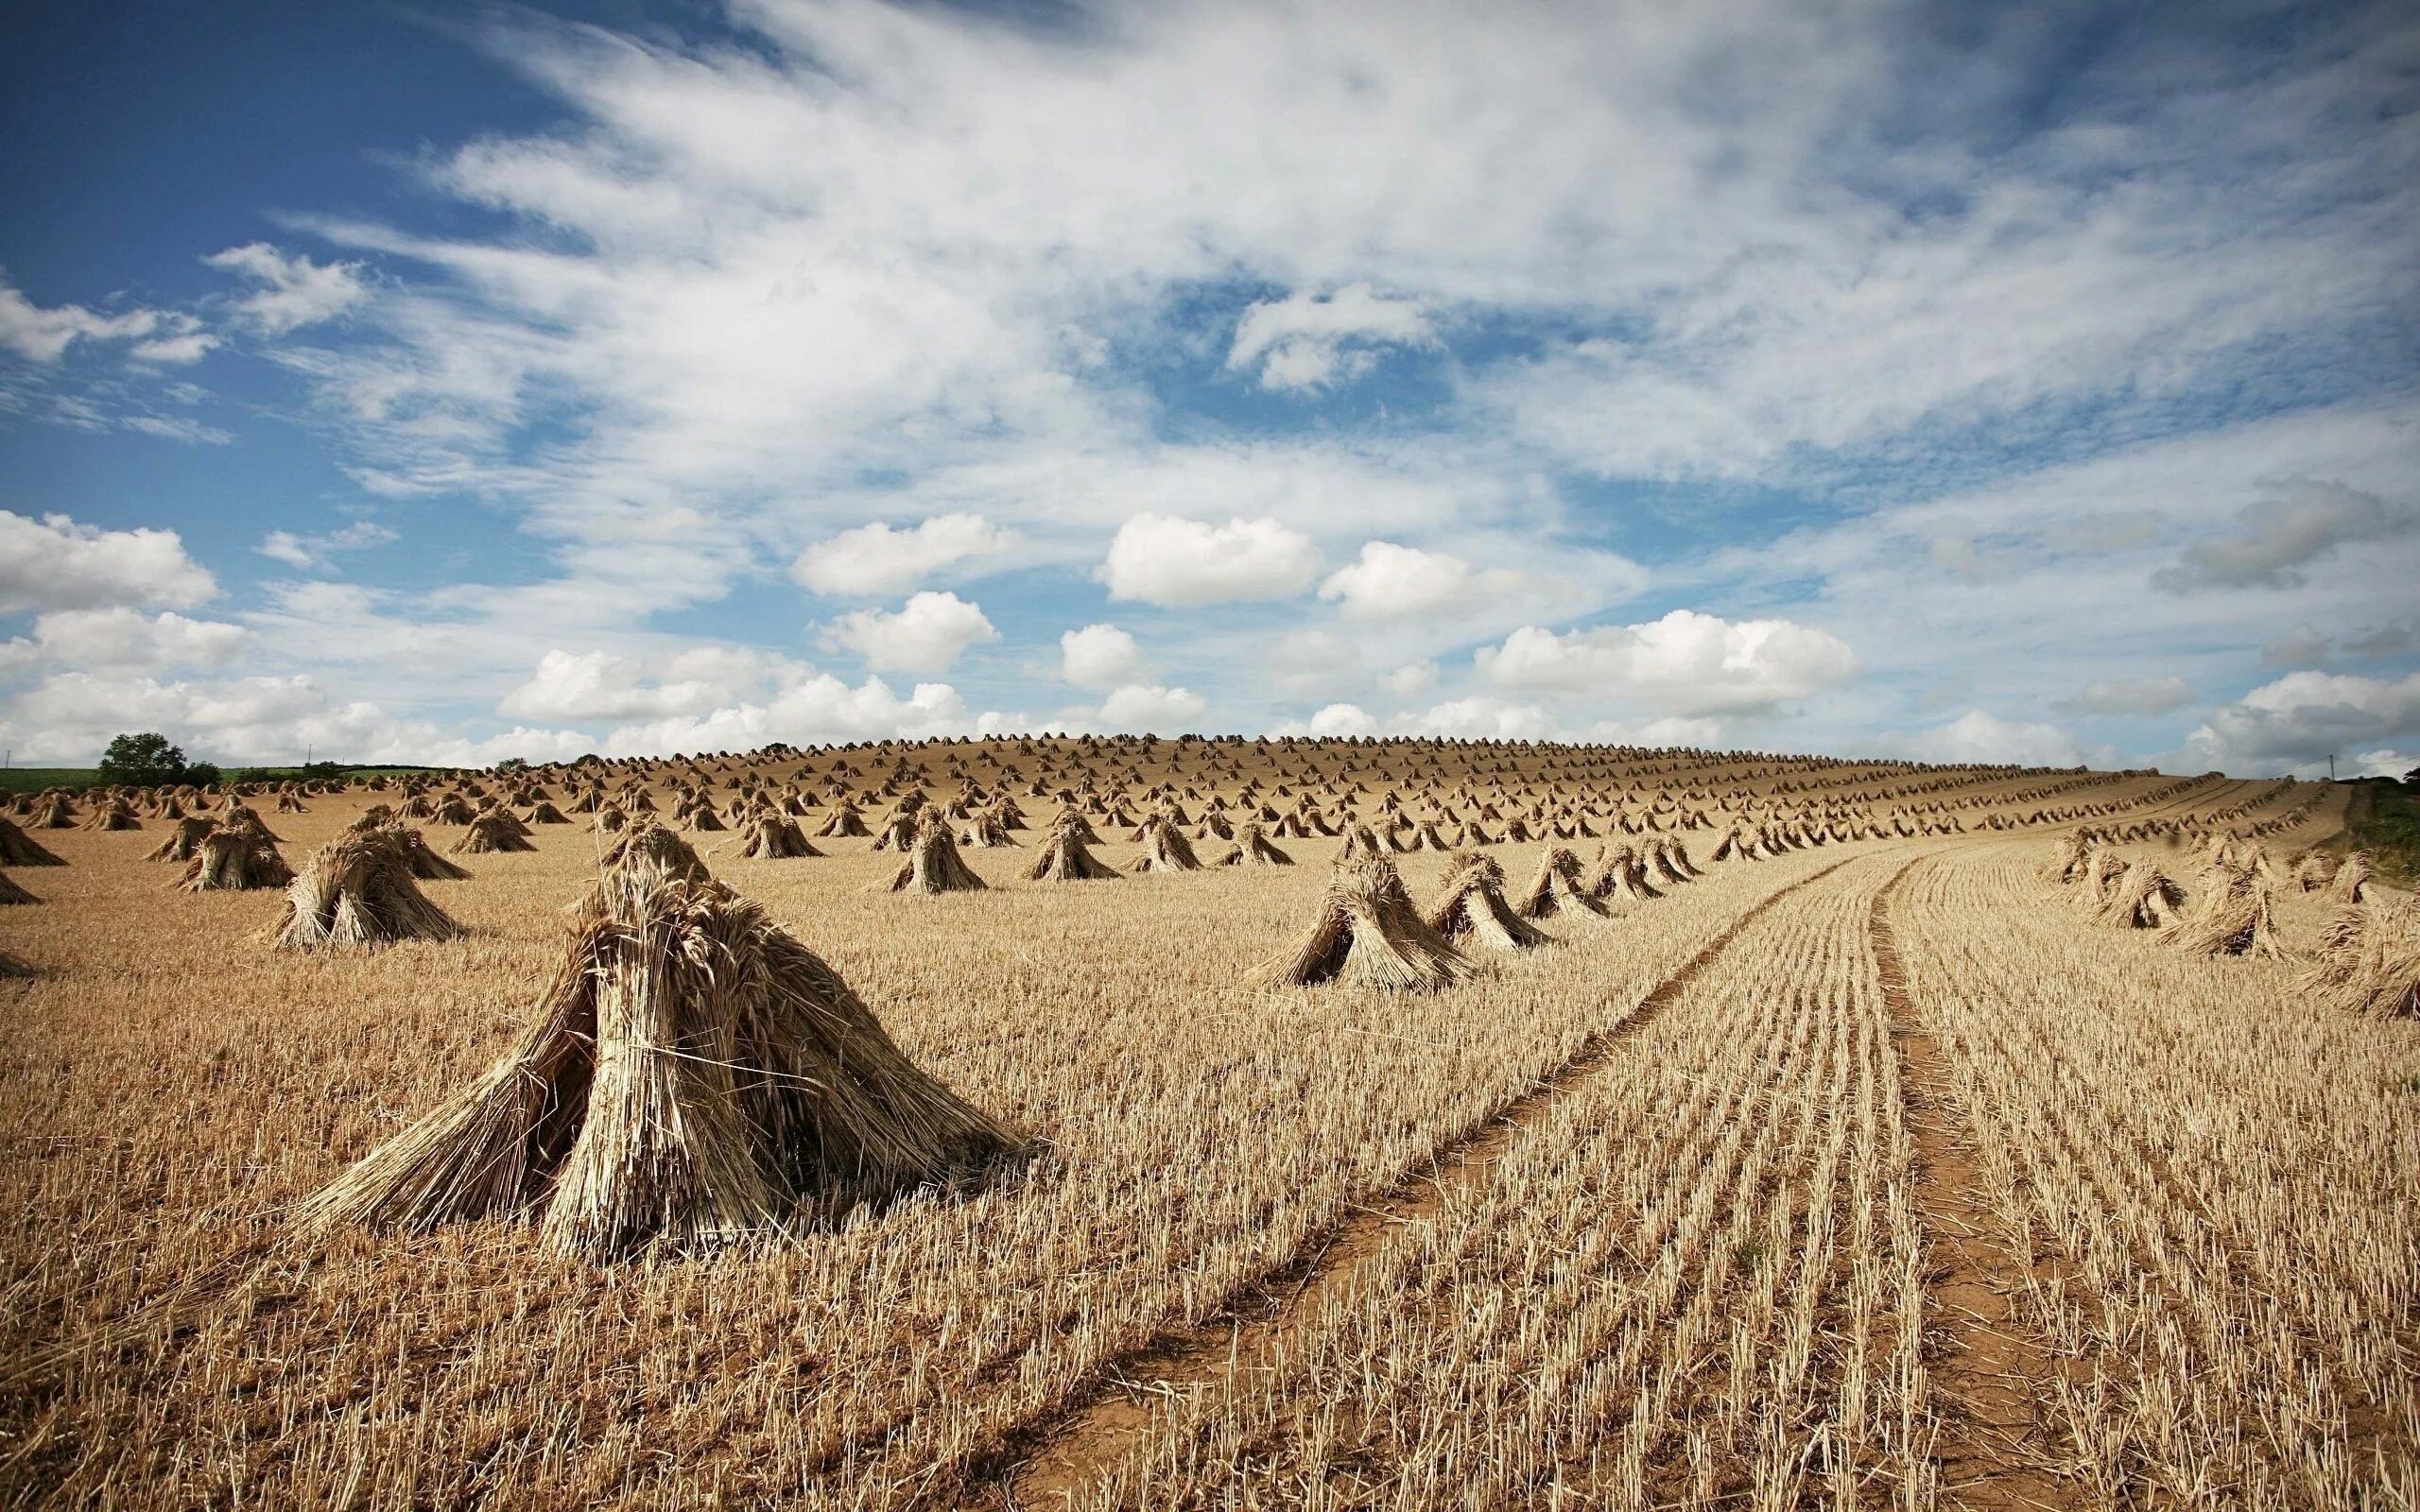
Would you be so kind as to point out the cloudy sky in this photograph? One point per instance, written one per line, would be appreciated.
(2031, 382)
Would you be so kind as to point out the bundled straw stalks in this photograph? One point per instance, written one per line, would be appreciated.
(933, 864)
(2068, 862)
(1473, 911)
(359, 891)
(772, 837)
(2144, 898)
(2104, 869)
(650, 846)
(988, 830)
(1369, 934)
(1668, 862)
(492, 830)
(2234, 918)
(236, 858)
(1066, 856)
(1559, 889)
(1254, 848)
(183, 841)
(1165, 848)
(18, 849)
(117, 814)
(841, 823)
(236, 815)
(692, 1076)
(2368, 961)
(2314, 871)
(423, 863)
(1624, 877)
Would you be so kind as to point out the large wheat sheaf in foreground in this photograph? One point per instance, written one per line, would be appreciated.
(694, 1074)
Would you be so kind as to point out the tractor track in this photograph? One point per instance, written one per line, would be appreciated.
(1996, 1375)
(1052, 1460)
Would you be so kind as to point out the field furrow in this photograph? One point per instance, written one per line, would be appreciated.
(1059, 1459)
(1991, 1376)
(2164, 1131)
(1694, 1279)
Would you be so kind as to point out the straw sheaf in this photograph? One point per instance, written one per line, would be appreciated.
(694, 1074)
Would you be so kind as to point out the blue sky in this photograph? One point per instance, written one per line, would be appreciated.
(1963, 382)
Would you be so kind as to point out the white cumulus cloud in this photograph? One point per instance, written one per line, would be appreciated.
(2278, 538)
(55, 563)
(1481, 718)
(1977, 737)
(182, 340)
(1685, 663)
(2303, 717)
(70, 718)
(2384, 761)
(1339, 720)
(1098, 656)
(2131, 696)
(122, 638)
(1391, 582)
(877, 559)
(44, 333)
(1185, 563)
(814, 709)
(926, 634)
(1150, 708)
(600, 685)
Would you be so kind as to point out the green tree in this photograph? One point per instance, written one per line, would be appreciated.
(143, 760)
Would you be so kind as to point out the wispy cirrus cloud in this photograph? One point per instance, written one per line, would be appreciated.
(44, 333)
(316, 550)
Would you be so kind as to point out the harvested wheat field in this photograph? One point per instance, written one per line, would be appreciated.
(1837, 1134)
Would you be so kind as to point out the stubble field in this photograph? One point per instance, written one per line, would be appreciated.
(1872, 1172)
